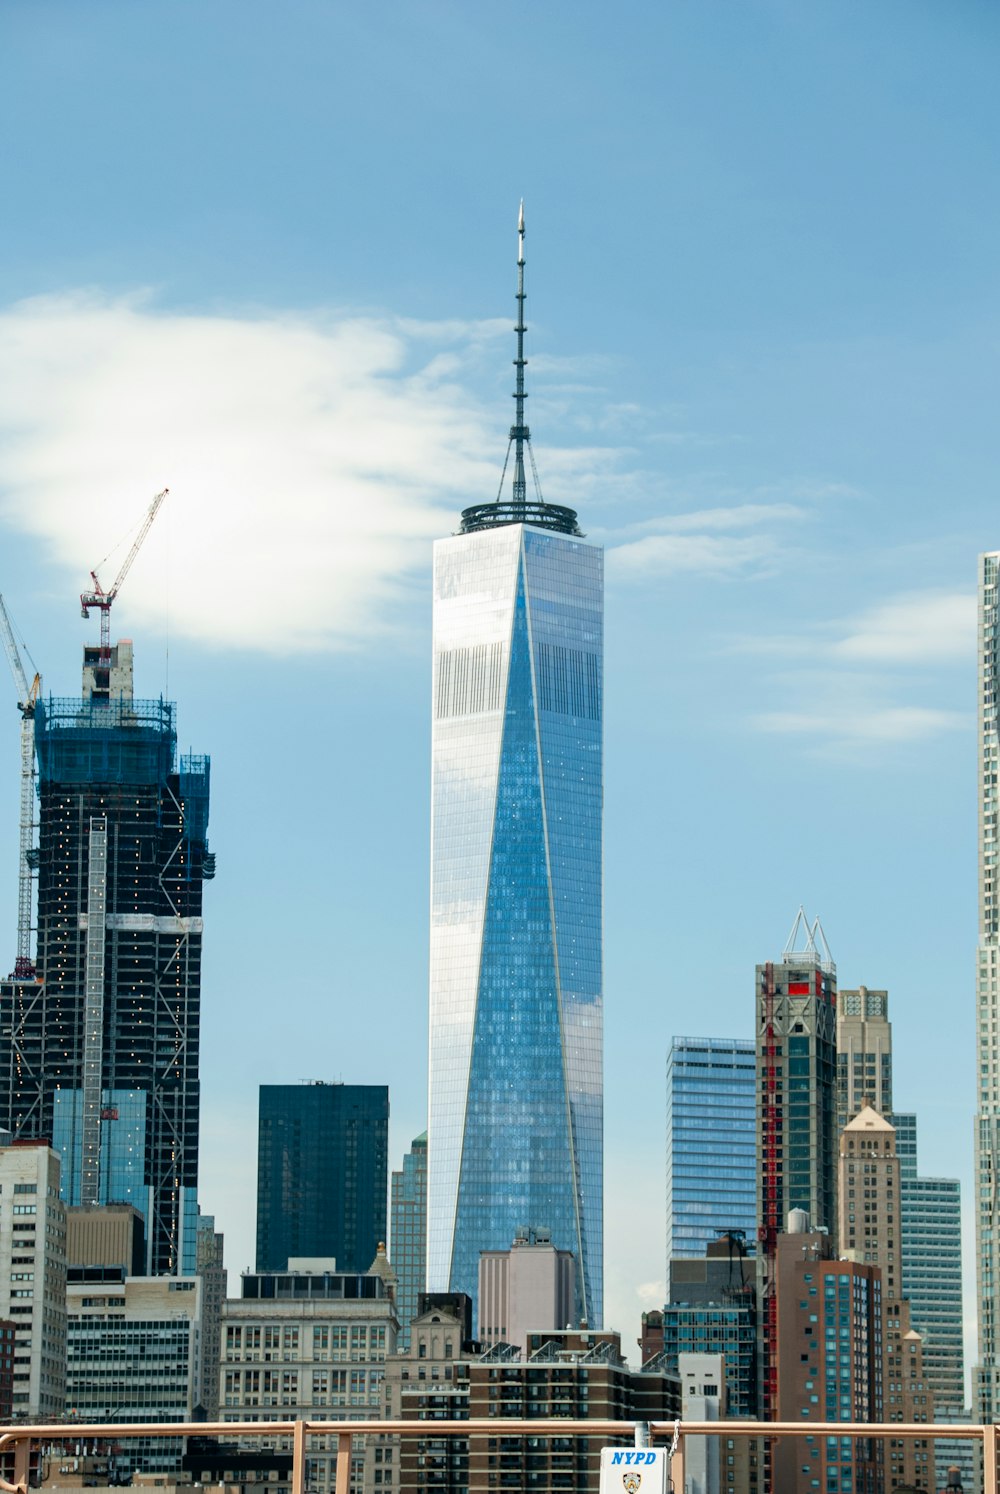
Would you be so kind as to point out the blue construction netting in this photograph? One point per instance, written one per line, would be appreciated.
(118, 741)
(194, 782)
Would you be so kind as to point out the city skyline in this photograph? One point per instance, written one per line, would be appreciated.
(766, 382)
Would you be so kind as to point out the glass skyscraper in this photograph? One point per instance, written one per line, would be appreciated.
(516, 1094)
(711, 1142)
(322, 1152)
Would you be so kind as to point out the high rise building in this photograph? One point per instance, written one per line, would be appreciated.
(211, 1270)
(986, 1376)
(322, 1158)
(932, 1281)
(871, 1233)
(523, 1290)
(796, 1115)
(516, 1088)
(711, 1161)
(712, 1308)
(864, 1054)
(132, 1356)
(102, 1048)
(829, 1315)
(33, 1277)
(408, 1234)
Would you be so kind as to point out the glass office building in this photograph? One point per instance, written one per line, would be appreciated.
(322, 1158)
(516, 1102)
(711, 1148)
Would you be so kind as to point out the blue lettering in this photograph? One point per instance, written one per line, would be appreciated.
(616, 1457)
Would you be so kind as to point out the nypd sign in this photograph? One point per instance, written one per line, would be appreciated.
(634, 1470)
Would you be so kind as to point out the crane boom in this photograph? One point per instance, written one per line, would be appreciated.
(98, 597)
(23, 967)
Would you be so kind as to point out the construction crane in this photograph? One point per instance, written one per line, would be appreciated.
(98, 597)
(28, 698)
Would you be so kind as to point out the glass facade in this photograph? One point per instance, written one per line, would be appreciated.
(408, 1234)
(711, 1152)
(516, 1095)
(322, 1174)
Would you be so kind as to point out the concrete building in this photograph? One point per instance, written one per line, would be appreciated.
(703, 1398)
(133, 1355)
(864, 1053)
(106, 1235)
(575, 1374)
(871, 1232)
(33, 1277)
(322, 1173)
(829, 1360)
(101, 1049)
(711, 1159)
(308, 1342)
(528, 1288)
(408, 1233)
(210, 1268)
(516, 1005)
(986, 1375)
(796, 1114)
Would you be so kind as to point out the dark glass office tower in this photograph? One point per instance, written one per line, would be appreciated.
(99, 1049)
(321, 1173)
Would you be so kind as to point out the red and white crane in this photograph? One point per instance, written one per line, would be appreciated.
(27, 700)
(98, 597)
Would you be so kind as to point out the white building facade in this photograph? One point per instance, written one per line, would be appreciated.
(33, 1276)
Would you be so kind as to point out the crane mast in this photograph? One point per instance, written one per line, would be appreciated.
(28, 699)
(98, 597)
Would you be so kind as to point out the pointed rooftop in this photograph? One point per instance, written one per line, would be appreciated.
(518, 508)
(869, 1120)
(806, 944)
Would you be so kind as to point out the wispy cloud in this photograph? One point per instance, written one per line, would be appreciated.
(914, 628)
(310, 459)
(862, 724)
(710, 542)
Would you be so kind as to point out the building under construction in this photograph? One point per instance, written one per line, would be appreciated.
(99, 1048)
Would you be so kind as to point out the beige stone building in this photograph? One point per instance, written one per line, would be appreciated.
(870, 1231)
(33, 1276)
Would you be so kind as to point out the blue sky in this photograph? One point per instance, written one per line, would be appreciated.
(265, 256)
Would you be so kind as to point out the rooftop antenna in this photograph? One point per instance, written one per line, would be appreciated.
(519, 432)
(518, 509)
(520, 435)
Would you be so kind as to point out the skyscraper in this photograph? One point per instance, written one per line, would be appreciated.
(711, 1164)
(864, 1053)
(322, 1157)
(797, 1110)
(102, 1049)
(986, 1382)
(870, 1231)
(408, 1234)
(516, 1089)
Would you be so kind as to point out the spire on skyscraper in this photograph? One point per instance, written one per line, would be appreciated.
(517, 509)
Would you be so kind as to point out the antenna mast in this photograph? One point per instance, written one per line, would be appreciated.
(519, 432)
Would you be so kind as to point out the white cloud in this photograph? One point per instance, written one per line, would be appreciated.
(310, 460)
(862, 724)
(704, 554)
(708, 542)
(914, 628)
